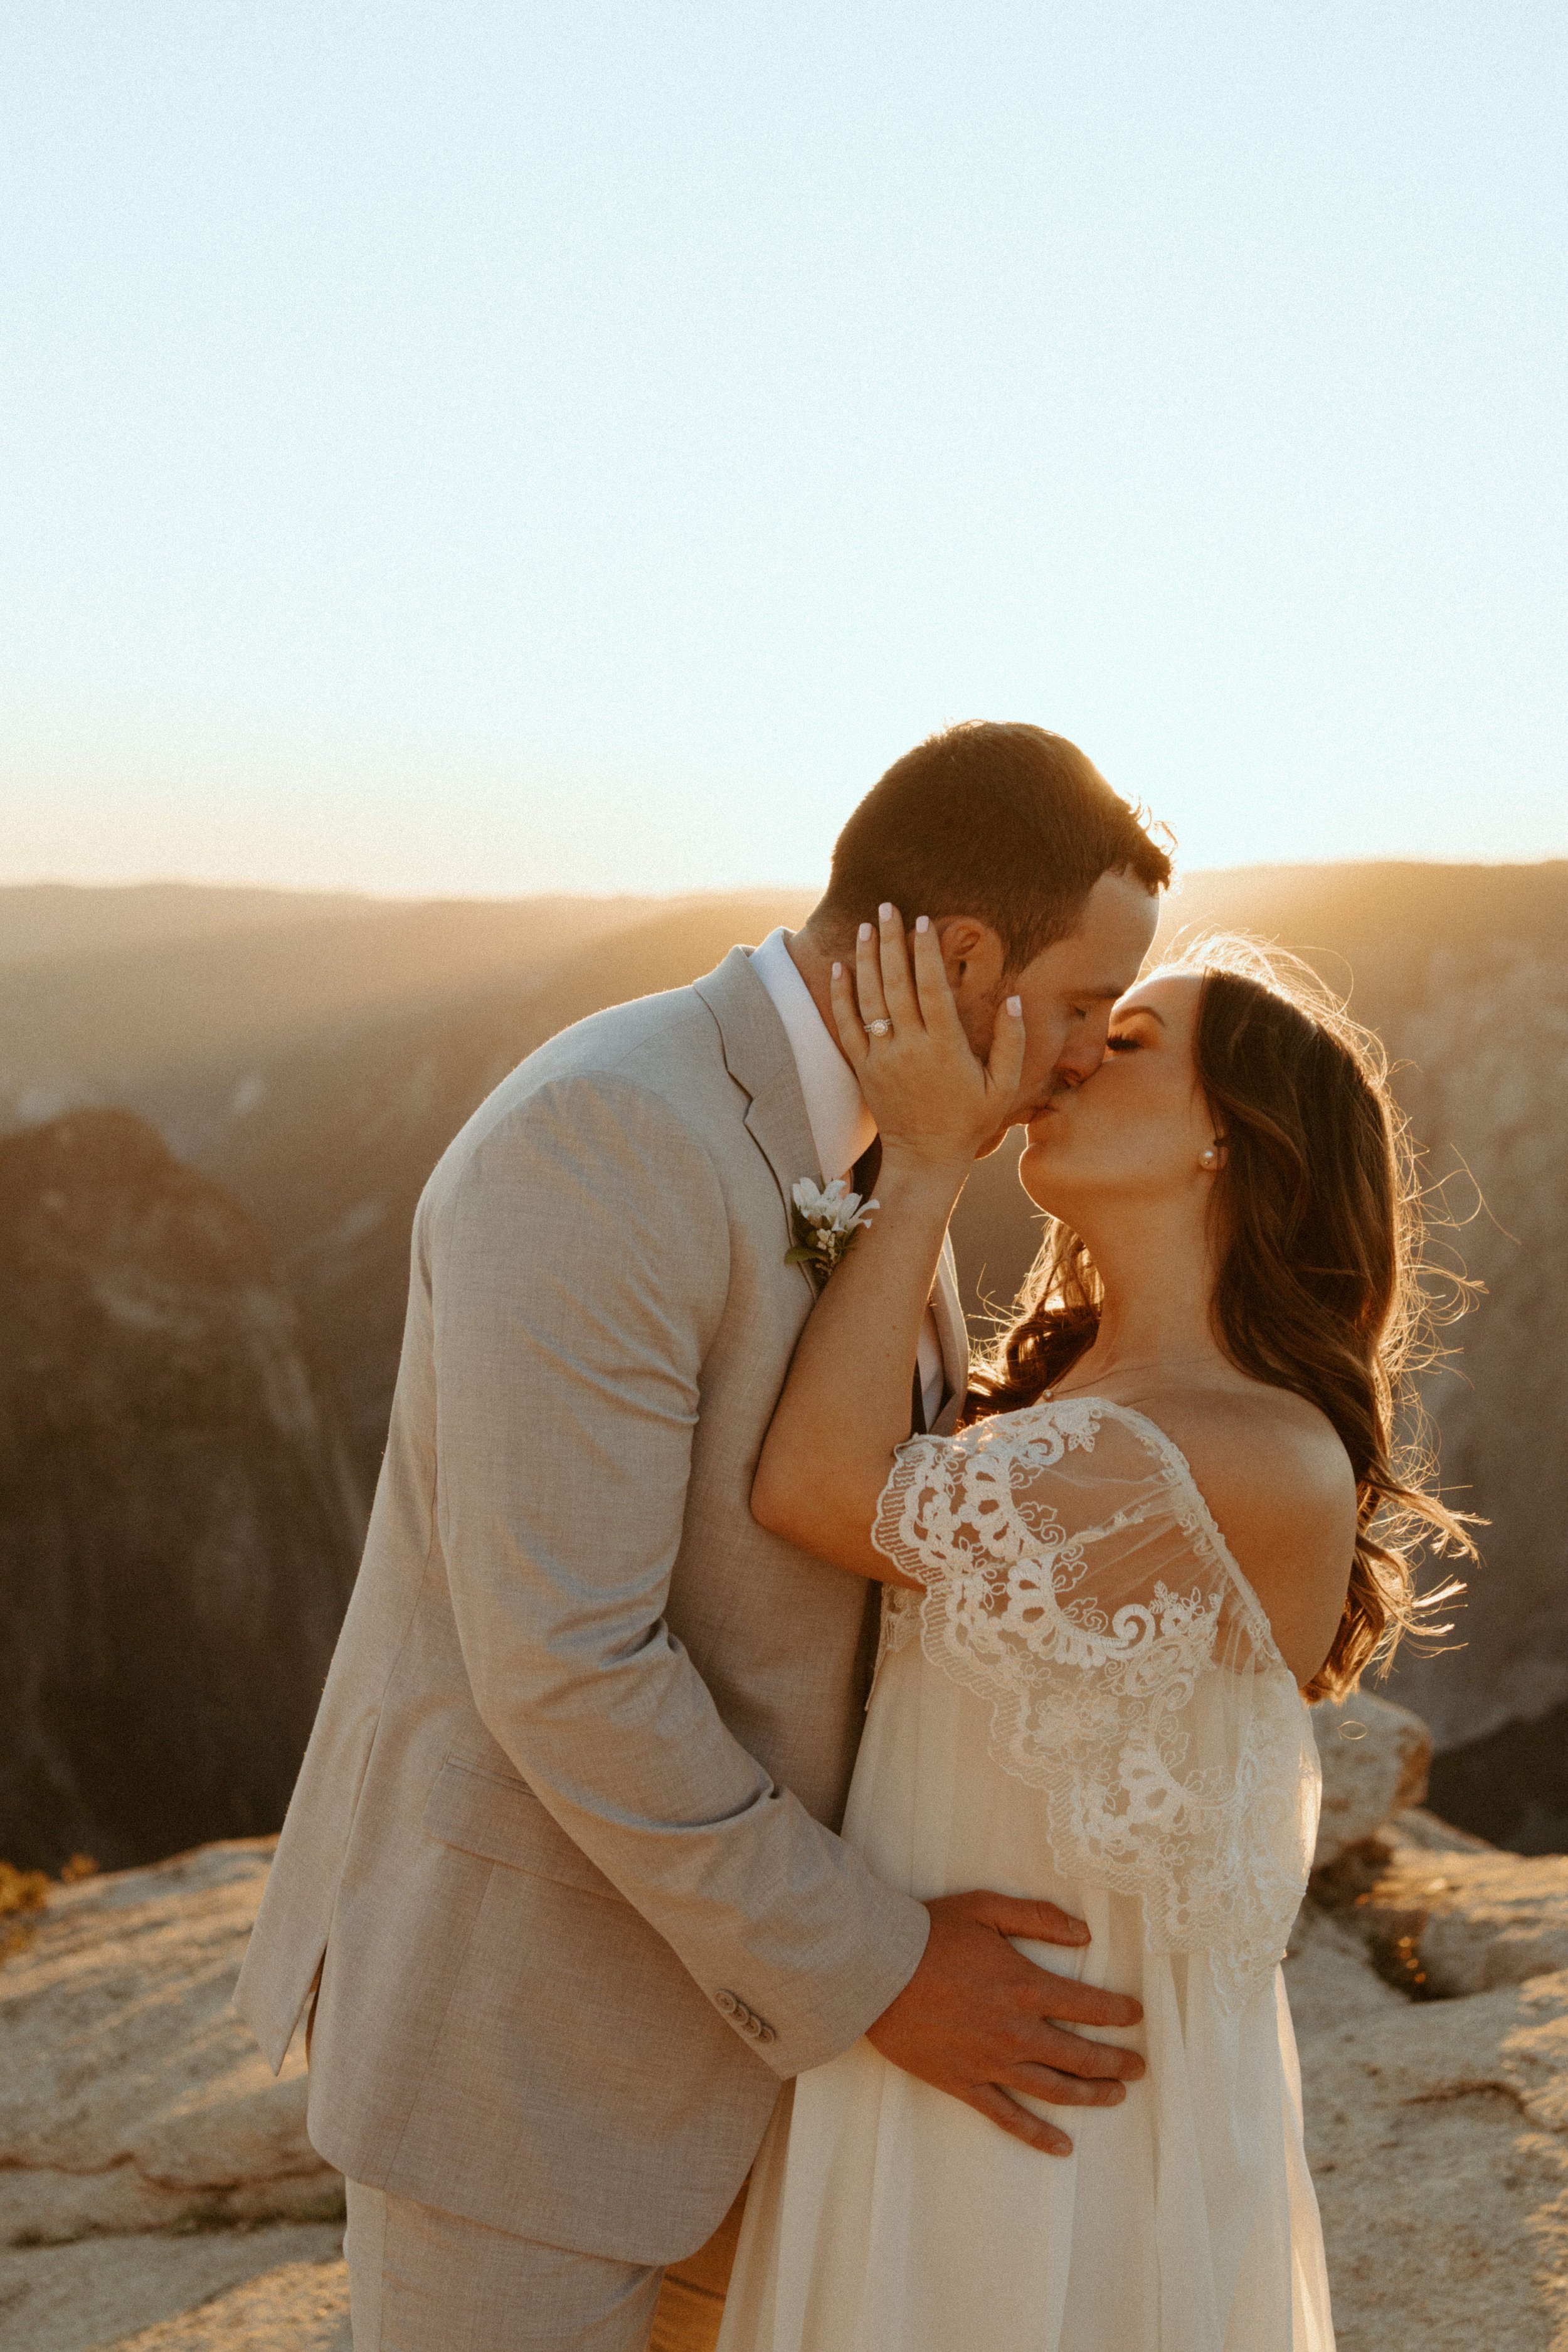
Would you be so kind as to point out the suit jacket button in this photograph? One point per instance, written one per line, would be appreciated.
(728, 2003)
(766, 2033)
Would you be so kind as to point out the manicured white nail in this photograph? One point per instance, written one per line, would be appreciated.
(838, 972)
(864, 930)
(886, 910)
(922, 923)
(1015, 1004)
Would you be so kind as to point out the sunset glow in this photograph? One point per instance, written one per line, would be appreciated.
(489, 450)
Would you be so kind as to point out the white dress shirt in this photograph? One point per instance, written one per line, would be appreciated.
(842, 1126)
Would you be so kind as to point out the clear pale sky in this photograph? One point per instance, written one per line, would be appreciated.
(511, 448)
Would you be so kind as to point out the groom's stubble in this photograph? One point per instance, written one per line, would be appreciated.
(1066, 991)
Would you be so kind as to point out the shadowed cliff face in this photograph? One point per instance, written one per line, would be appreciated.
(317, 1070)
(315, 1058)
(1463, 971)
(178, 1529)
(332, 1144)
(1511, 1786)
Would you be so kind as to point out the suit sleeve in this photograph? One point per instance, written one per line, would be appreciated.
(579, 1271)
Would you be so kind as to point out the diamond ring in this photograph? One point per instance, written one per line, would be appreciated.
(879, 1028)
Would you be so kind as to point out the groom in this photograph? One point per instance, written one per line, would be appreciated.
(559, 1884)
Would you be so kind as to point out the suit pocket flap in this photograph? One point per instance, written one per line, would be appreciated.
(503, 1821)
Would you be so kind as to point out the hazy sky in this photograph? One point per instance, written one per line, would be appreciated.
(502, 447)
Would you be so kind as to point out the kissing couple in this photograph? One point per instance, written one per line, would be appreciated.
(786, 1795)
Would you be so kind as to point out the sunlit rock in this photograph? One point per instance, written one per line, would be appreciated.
(132, 2097)
(1374, 1757)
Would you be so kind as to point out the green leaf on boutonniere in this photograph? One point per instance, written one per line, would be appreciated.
(826, 1220)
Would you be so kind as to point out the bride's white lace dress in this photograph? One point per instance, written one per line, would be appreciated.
(1084, 1704)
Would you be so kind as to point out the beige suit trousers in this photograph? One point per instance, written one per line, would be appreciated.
(424, 2280)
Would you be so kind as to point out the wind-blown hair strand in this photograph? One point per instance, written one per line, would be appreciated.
(1322, 1285)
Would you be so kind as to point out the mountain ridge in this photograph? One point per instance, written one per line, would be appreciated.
(325, 1111)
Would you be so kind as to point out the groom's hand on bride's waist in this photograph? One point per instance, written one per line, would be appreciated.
(982, 2022)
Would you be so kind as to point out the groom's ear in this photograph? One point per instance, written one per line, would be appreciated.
(971, 953)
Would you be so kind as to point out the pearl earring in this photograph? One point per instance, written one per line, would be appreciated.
(1208, 1157)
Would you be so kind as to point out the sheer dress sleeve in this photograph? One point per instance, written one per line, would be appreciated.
(1075, 1581)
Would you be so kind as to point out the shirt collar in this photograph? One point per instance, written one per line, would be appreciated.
(842, 1128)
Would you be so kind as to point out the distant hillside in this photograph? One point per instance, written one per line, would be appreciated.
(330, 1143)
(173, 1023)
(56, 919)
(317, 1065)
(1386, 919)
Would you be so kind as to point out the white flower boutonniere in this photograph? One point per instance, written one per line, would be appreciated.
(825, 1223)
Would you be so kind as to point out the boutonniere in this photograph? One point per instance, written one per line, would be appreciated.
(825, 1223)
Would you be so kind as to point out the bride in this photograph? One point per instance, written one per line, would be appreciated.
(1177, 1508)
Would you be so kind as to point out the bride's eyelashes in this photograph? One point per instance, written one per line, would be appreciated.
(1122, 1043)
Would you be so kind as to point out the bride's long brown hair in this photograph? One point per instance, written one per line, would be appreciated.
(1322, 1285)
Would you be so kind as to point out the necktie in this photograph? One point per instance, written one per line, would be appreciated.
(867, 1169)
(863, 1180)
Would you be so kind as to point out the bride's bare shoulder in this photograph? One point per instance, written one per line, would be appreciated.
(1279, 1486)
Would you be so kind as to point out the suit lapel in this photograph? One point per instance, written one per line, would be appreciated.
(758, 1057)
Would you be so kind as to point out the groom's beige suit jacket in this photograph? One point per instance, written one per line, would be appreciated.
(561, 1849)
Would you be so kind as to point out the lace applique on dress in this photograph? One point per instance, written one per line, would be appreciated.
(1074, 1581)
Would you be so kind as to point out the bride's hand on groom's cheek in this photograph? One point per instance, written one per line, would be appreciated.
(899, 1026)
(981, 2022)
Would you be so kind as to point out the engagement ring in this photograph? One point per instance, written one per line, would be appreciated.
(879, 1028)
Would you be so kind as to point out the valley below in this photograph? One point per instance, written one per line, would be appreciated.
(217, 1110)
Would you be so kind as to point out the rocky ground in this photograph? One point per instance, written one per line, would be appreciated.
(158, 2194)
(157, 2186)
(1428, 1979)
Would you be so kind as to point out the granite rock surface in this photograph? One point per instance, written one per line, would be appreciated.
(1428, 1982)
(132, 2097)
(158, 2193)
(1374, 1757)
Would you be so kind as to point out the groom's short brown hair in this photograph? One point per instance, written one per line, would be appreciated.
(1003, 822)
